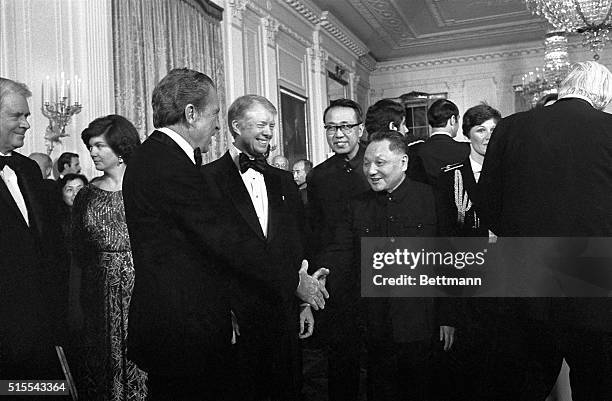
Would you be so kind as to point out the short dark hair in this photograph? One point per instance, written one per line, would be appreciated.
(119, 133)
(351, 104)
(175, 91)
(397, 141)
(477, 115)
(65, 158)
(69, 177)
(440, 111)
(307, 165)
(240, 106)
(383, 112)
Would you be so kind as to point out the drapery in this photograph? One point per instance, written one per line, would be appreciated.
(154, 36)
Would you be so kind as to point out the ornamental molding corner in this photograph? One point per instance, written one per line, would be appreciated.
(331, 24)
(271, 27)
(368, 62)
(293, 34)
(342, 34)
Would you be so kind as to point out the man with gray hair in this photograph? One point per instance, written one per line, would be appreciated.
(548, 174)
(34, 278)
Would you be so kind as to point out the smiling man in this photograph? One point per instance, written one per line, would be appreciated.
(403, 334)
(329, 187)
(33, 281)
(265, 201)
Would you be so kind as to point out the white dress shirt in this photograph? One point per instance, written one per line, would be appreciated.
(180, 141)
(10, 179)
(256, 186)
(476, 168)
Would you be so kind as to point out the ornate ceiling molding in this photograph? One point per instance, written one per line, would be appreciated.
(330, 23)
(341, 33)
(368, 62)
(400, 66)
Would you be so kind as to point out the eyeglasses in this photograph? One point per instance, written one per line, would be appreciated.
(345, 128)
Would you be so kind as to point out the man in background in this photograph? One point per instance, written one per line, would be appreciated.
(68, 163)
(441, 149)
(44, 163)
(280, 161)
(301, 169)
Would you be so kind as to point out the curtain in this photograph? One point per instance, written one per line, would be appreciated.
(154, 36)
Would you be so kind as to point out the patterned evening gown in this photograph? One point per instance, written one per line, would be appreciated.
(102, 251)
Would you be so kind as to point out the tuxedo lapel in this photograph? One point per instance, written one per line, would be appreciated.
(6, 196)
(235, 189)
(275, 202)
(30, 196)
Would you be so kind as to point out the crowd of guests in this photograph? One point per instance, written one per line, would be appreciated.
(175, 280)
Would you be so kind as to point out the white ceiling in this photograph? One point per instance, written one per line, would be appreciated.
(401, 28)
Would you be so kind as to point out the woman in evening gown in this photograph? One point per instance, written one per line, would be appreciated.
(104, 263)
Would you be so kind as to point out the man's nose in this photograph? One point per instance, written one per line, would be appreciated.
(25, 124)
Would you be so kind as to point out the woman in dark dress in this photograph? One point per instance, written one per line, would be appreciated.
(104, 259)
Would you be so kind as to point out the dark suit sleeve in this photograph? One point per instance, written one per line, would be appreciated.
(491, 178)
(203, 222)
(445, 210)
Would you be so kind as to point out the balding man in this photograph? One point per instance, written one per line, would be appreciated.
(44, 163)
(280, 161)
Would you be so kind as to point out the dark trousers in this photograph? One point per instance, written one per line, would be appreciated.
(589, 356)
(189, 388)
(402, 371)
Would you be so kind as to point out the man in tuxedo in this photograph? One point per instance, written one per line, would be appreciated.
(265, 201)
(441, 149)
(547, 174)
(34, 284)
(186, 250)
(68, 163)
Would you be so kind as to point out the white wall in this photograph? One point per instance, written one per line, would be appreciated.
(469, 77)
(45, 37)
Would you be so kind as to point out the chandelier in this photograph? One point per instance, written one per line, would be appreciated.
(592, 18)
(546, 80)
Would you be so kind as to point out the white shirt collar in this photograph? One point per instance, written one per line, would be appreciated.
(180, 141)
(6, 154)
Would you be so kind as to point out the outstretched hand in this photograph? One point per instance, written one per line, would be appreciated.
(311, 289)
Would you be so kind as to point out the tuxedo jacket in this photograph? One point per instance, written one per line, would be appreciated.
(34, 284)
(438, 151)
(548, 173)
(184, 247)
(255, 307)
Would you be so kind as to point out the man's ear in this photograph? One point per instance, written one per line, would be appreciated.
(236, 127)
(360, 130)
(393, 127)
(190, 113)
(405, 162)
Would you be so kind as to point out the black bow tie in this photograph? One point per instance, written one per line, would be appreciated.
(197, 156)
(257, 164)
(10, 161)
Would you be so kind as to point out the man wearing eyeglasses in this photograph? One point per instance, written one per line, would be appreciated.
(330, 185)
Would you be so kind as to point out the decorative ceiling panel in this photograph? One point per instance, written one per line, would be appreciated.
(400, 28)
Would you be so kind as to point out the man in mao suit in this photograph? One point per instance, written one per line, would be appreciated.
(34, 276)
(185, 249)
(548, 174)
(266, 202)
(404, 335)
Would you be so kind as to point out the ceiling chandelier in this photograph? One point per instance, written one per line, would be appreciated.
(592, 18)
(546, 80)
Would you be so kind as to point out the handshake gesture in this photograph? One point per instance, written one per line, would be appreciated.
(311, 289)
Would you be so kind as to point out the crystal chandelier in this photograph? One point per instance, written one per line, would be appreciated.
(546, 80)
(592, 18)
